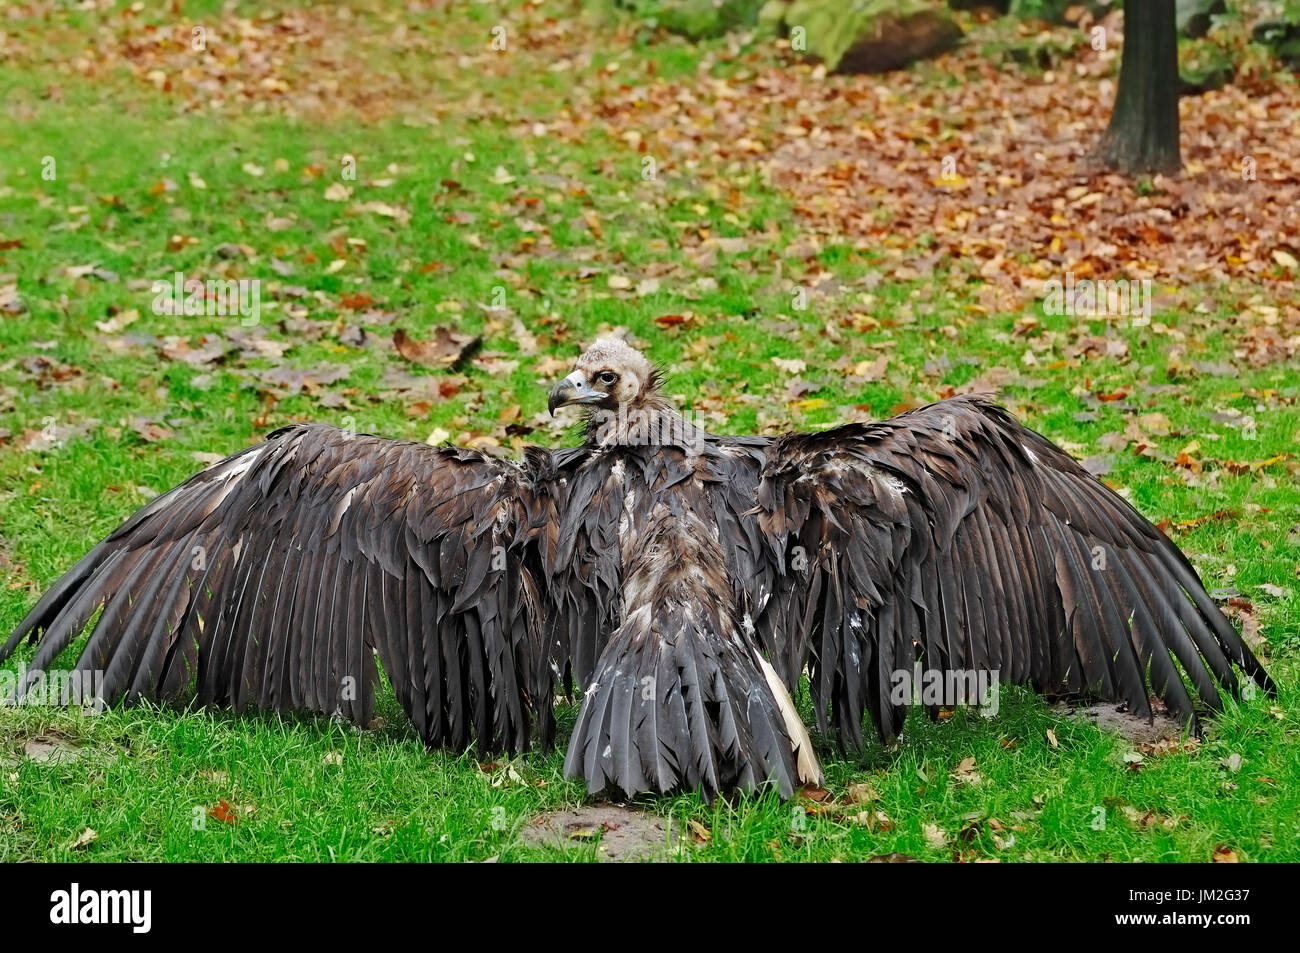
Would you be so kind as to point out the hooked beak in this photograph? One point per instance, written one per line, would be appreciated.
(572, 390)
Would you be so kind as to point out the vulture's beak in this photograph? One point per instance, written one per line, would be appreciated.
(574, 389)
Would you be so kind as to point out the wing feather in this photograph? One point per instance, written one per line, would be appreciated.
(992, 550)
(320, 550)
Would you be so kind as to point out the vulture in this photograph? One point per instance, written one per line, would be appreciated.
(683, 583)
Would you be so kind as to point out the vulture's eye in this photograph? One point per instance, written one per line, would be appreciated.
(607, 377)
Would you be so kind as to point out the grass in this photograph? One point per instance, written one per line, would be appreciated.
(146, 187)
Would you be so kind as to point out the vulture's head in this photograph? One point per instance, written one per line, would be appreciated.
(611, 373)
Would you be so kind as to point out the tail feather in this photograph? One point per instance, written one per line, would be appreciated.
(675, 703)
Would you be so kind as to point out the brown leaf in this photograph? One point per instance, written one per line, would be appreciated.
(965, 773)
(150, 431)
(934, 835)
(862, 793)
(446, 348)
(356, 301)
(224, 811)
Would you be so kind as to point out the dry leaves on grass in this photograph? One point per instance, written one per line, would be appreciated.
(319, 61)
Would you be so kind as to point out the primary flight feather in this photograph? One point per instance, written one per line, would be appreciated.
(682, 581)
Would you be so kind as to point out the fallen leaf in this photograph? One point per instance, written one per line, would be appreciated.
(934, 835)
(150, 431)
(224, 811)
(862, 793)
(118, 322)
(965, 773)
(446, 348)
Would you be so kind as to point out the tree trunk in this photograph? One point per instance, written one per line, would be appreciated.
(1143, 131)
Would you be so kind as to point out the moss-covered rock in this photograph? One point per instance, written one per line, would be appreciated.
(869, 36)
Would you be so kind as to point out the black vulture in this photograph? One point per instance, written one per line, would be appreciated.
(684, 582)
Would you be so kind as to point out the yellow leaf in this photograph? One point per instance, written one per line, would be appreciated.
(1261, 464)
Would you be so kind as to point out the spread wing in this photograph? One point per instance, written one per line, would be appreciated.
(273, 578)
(954, 536)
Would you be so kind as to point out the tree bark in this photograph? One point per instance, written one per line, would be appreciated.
(1143, 131)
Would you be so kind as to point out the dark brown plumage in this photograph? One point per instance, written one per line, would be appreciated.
(682, 581)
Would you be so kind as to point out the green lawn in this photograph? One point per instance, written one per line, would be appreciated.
(476, 204)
